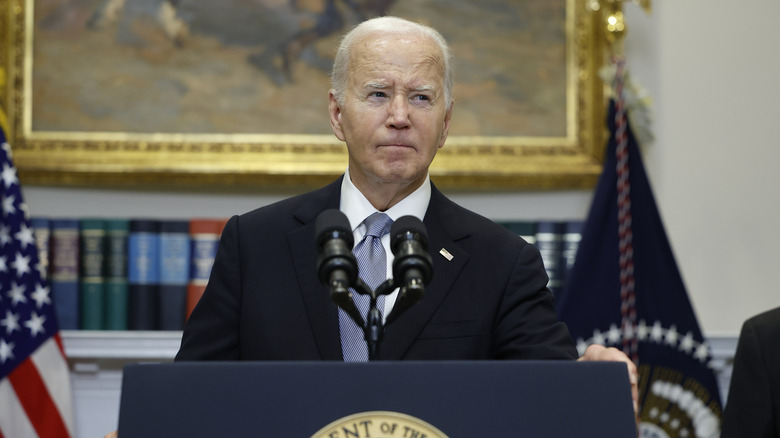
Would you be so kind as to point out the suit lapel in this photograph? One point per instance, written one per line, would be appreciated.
(441, 223)
(321, 311)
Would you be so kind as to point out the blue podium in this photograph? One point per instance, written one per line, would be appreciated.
(471, 399)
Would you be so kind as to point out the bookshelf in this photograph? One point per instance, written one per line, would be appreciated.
(132, 346)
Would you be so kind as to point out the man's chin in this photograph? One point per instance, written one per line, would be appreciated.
(400, 175)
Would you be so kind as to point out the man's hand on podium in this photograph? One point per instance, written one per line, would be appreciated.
(601, 353)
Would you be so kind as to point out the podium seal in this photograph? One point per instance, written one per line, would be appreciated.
(379, 424)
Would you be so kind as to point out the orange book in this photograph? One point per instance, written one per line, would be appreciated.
(204, 240)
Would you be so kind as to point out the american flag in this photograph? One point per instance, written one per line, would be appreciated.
(35, 396)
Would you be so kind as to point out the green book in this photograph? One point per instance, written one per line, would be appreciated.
(524, 229)
(92, 291)
(116, 276)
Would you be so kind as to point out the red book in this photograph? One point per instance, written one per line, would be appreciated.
(204, 240)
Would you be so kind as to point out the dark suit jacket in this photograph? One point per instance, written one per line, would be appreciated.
(265, 302)
(753, 406)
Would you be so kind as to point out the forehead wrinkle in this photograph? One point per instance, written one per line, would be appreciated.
(369, 55)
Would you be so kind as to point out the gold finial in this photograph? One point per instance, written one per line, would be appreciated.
(611, 12)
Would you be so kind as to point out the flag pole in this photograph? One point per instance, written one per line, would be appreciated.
(612, 18)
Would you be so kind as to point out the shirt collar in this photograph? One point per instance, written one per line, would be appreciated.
(356, 207)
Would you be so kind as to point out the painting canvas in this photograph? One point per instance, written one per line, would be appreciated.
(252, 76)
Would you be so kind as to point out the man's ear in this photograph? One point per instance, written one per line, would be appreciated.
(334, 109)
(446, 129)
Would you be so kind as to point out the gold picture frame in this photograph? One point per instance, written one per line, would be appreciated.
(282, 160)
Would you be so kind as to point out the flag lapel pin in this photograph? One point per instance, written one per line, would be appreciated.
(446, 254)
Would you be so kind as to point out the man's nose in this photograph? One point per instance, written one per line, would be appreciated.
(398, 113)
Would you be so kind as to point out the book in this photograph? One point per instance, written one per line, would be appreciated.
(65, 271)
(572, 234)
(42, 231)
(174, 273)
(143, 274)
(204, 238)
(549, 241)
(92, 272)
(524, 229)
(116, 286)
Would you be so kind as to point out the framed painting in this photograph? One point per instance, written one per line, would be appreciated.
(234, 93)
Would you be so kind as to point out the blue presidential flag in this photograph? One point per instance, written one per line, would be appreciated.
(625, 291)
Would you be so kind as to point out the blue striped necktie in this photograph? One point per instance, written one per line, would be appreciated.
(372, 266)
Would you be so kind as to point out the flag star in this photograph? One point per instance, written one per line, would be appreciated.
(654, 413)
(11, 322)
(7, 148)
(41, 295)
(598, 337)
(684, 433)
(613, 334)
(35, 324)
(629, 332)
(21, 264)
(8, 205)
(687, 343)
(641, 332)
(6, 351)
(702, 353)
(664, 417)
(9, 175)
(41, 269)
(657, 332)
(25, 210)
(16, 294)
(25, 236)
(5, 235)
(581, 346)
(674, 424)
(3, 265)
(672, 335)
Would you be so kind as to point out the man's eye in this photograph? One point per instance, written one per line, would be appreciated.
(421, 97)
(378, 94)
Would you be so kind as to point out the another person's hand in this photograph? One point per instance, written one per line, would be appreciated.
(114, 434)
(601, 353)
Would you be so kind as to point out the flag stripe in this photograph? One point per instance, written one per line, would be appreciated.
(35, 400)
(60, 345)
(13, 420)
(53, 369)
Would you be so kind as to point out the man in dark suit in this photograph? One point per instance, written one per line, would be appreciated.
(753, 406)
(391, 103)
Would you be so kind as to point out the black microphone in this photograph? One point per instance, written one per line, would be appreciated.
(412, 266)
(336, 265)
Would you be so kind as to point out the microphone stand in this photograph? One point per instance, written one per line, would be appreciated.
(373, 326)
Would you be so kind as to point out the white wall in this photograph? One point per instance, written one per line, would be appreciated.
(712, 68)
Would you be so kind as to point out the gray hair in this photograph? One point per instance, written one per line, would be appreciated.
(388, 25)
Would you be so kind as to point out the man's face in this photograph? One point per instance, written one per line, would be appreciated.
(394, 117)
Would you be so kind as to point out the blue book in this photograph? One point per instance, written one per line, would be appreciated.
(65, 271)
(143, 274)
(549, 240)
(174, 273)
